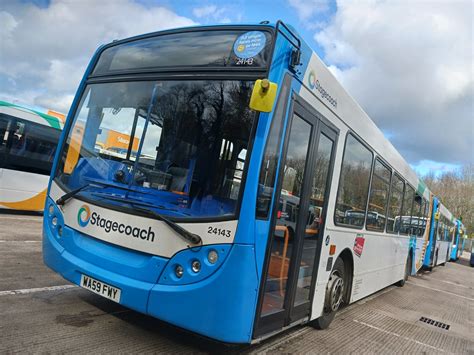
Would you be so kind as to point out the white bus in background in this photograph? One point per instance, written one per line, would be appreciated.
(28, 141)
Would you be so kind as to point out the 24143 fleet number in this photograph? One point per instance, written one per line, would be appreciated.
(218, 231)
(244, 61)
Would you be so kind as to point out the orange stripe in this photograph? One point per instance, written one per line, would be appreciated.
(74, 148)
(35, 203)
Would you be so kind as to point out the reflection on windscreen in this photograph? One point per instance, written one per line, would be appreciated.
(180, 145)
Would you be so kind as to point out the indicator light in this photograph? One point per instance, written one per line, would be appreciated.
(179, 271)
(212, 256)
(196, 266)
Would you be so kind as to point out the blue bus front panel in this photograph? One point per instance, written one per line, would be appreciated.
(219, 303)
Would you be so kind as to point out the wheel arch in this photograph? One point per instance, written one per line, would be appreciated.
(348, 259)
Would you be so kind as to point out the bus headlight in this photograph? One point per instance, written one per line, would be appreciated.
(196, 266)
(53, 218)
(212, 256)
(178, 271)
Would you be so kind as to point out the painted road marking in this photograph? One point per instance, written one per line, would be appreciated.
(20, 241)
(33, 290)
(398, 335)
(438, 290)
(23, 218)
(454, 283)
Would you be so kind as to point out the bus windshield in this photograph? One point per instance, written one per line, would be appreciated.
(178, 146)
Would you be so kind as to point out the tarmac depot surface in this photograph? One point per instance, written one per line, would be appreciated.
(41, 312)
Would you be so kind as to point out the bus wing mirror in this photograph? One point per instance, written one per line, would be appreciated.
(263, 95)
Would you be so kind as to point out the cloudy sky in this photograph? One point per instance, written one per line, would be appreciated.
(409, 63)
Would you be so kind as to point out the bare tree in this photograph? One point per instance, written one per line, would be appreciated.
(456, 191)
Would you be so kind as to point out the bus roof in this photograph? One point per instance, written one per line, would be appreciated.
(30, 115)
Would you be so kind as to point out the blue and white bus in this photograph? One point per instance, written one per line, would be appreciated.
(441, 233)
(458, 241)
(231, 121)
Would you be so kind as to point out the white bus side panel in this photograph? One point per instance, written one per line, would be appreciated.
(21, 190)
(384, 256)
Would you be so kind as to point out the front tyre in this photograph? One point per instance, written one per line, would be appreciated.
(335, 291)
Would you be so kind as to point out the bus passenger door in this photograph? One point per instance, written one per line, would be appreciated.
(297, 223)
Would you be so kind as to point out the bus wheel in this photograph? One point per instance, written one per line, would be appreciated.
(334, 296)
(402, 282)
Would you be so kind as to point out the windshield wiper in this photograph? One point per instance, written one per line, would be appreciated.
(62, 200)
(187, 235)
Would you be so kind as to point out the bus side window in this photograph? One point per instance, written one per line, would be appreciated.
(425, 208)
(395, 204)
(378, 197)
(440, 230)
(33, 147)
(4, 130)
(405, 218)
(268, 168)
(353, 184)
(416, 219)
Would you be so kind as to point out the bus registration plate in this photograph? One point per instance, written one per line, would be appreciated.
(100, 288)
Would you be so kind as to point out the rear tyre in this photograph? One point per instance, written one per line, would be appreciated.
(335, 291)
(402, 282)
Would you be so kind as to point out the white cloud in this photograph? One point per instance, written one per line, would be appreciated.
(410, 66)
(61, 102)
(225, 20)
(212, 13)
(46, 50)
(426, 166)
(308, 8)
(204, 11)
(7, 24)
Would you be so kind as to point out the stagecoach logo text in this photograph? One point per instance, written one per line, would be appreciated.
(314, 84)
(84, 217)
